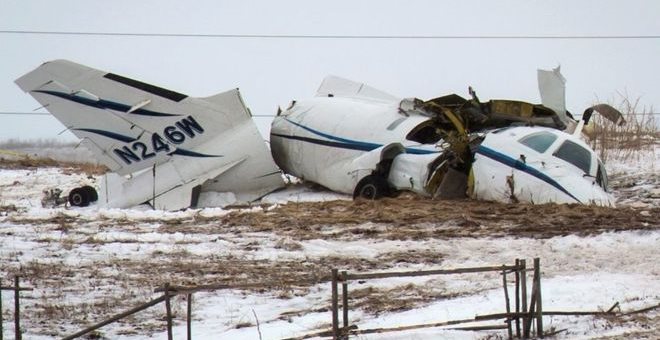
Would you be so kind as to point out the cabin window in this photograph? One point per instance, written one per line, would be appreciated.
(575, 154)
(424, 133)
(539, 141)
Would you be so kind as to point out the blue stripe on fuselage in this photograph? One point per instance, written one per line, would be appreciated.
(519, 165)
(343, 143)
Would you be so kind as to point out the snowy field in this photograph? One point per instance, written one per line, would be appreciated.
(86, 264)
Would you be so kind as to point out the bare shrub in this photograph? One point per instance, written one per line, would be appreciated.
(18, 153)
(89, 169)
(19, 144)
(639, 133)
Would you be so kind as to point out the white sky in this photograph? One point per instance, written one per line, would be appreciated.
(271, 72)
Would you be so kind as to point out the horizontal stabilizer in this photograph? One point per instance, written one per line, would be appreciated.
(333, 86)
(167, 187)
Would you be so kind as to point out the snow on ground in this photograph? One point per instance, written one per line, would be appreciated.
(88, 263)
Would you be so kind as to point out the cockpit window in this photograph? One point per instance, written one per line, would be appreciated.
(539, 141)
(424, 133)
(575, 154)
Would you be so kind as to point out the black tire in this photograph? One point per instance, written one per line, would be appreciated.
(78, 197)
(91, 193)
(371, 187)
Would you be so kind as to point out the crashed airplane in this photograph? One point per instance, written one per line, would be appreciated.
(166, 149)
(358, 140)
(162, 147)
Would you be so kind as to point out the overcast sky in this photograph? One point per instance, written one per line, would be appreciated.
(271, 72)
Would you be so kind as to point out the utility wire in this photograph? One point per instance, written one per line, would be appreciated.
(16, 113)
(258, 116)
(339, 36)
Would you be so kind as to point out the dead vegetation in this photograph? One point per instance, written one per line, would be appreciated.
(89, 169)
(646, 323)
(639, 133)
(408, 217)
(9, 208)
(120, 281)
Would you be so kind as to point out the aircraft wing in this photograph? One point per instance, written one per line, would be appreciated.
(131, 126)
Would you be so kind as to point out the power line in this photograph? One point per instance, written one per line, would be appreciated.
(257, 116)
(16, 113)
(336, 36)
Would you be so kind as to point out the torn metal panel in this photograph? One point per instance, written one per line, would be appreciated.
(552, 87)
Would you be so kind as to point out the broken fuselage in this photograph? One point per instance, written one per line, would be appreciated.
(366, 143)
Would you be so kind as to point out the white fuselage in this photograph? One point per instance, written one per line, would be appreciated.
(329, 140)
(336, 142)
(538, 165)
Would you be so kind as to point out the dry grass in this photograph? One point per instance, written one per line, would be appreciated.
(89, 169)
(639, 133)
(404, 297)
(409, 217)
(647, 325)
(17, 144)
(114, 282)
(10, 208)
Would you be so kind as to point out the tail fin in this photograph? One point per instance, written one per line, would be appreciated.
(131, 126)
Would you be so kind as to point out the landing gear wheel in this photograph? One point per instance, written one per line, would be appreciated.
(79, 197)
(91, 193)
(371, 187)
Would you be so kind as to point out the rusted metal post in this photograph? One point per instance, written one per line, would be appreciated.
(17, 308)
(344, 301)
(508, 305)
(523, 293)
(539, 305)
(335, 307)
(517, 278)
(189, 317)
(168, 309)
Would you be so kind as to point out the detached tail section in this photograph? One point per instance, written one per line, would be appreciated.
(168, 142)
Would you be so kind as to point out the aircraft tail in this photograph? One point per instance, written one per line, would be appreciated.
(129, 125)
(132, 126)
